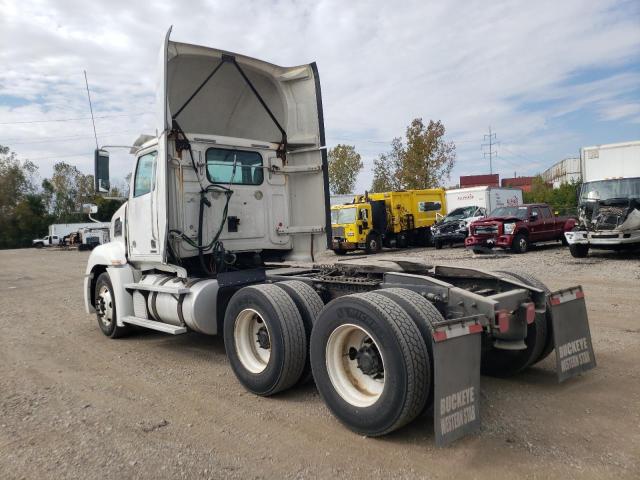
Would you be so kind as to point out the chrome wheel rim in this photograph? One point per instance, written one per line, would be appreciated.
(104, 306)
(252, 340)
(348, 377)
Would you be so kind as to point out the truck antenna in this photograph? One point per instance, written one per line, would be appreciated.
(91, 109)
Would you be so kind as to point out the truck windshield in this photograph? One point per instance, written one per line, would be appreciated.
(519, 212)
(608, 189)
(460, 213)
(343, 215)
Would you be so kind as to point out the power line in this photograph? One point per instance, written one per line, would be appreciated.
(95, 135)
(491, 137)
(55, 139)
(74, 119)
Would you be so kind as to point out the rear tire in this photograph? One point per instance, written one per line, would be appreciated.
(504, 363)
(309, 305)
(383, 383)
(264, 336)
(579, 250)
(534, 282)
(105, 305)
(424, 314)
(339, 251)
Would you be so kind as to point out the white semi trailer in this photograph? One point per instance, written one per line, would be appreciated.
(609, 203)
(231, 192)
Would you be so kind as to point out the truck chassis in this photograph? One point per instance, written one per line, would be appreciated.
(383, 343)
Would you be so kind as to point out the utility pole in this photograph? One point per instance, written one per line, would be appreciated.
(491, 138)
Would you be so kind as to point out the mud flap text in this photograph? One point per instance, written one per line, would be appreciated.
(456, 357)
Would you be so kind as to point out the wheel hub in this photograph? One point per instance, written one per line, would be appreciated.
(263, 338)
(368, 360)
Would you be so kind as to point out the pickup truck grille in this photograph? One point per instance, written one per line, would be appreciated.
(486, 230)
(337, 232)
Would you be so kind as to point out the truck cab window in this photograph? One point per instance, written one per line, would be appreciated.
(234, 166)
(144, 174)
(546, 211)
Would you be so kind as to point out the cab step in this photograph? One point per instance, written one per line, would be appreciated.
(153, 325)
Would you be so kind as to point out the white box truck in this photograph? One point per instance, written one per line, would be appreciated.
(224, 200)
(466, 205)
(609, 202)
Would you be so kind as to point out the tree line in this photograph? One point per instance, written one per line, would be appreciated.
(28, 206)
(422, 159)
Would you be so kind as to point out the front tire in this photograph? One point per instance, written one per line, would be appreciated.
(370, 363)
(579, 250)
(339, 251)
(105, 305)
(520, 243)
(437, 244)
(265, 340)
(374, 243)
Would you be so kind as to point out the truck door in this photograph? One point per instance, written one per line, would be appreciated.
(536, 225)
(550, 227)
(142, 229)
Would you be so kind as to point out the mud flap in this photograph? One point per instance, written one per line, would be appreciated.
(571, 335)
(456, 358)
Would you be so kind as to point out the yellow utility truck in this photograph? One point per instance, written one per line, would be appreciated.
(392, 219)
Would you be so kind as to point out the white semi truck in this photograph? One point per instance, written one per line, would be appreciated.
(232, 193)
(609, 202)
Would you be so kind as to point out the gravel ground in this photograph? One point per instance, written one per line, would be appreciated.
(74, 404)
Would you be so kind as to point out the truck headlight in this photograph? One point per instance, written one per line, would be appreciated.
(509, 228)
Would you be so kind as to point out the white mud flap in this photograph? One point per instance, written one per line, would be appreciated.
(571, 335)
(456, 358)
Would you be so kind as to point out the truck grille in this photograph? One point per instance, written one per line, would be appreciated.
(486, 230)
(337, 232)
(449, 227)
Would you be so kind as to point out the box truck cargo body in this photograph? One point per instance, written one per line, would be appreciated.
(488, 198)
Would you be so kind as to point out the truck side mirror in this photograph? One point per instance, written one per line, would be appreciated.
(89, 208)
(101, 171)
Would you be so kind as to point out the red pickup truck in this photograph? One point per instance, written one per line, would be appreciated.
(517, 228)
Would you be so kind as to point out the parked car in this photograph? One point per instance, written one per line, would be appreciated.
(517, 228)
(454, 227)
(47, 241)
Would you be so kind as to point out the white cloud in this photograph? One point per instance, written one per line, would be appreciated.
(470, 64)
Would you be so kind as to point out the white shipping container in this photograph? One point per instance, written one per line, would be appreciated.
(488, 198)
(616, 160)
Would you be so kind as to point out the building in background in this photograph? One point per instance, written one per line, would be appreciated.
(567, 170)
(523, 183)
(479, 181)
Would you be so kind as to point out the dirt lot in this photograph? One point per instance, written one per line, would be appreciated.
(74, 404)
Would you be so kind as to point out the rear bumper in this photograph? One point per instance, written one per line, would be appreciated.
(499, 241)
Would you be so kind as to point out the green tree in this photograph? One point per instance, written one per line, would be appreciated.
(563, 200)
(22, 213)
(66, 191)
(424, 160)
(344, 165)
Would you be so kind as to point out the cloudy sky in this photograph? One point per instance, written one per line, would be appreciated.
(547, 76)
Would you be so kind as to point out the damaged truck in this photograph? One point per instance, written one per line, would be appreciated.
(609, 202)
(228, 206)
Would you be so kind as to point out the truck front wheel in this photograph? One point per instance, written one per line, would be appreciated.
(374, 243)
(265, 340)
(106, 308)
(370, 363)
(579, 250)
(520, 243)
